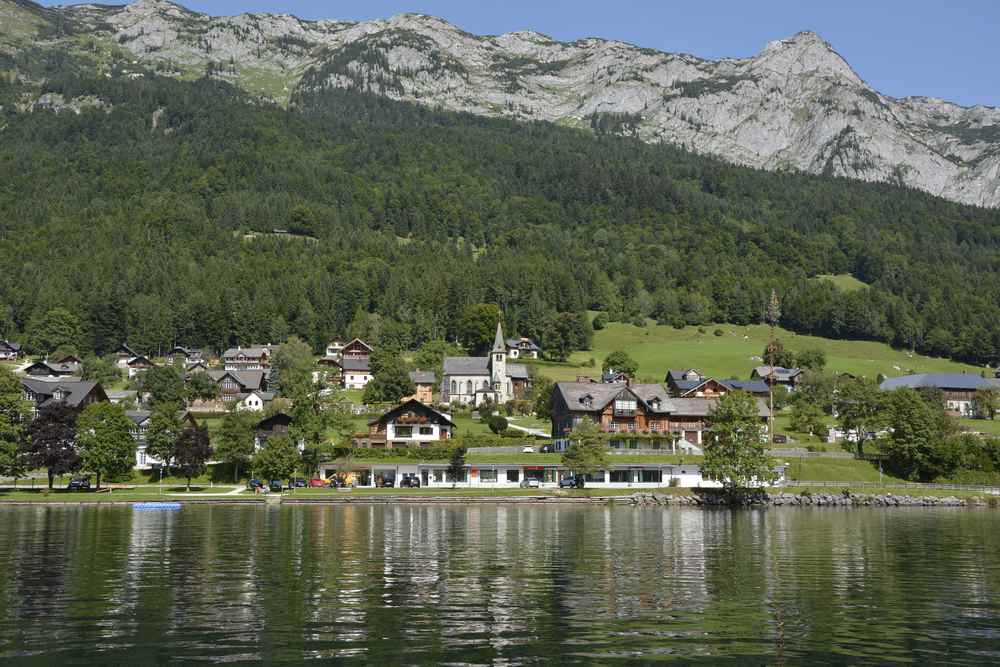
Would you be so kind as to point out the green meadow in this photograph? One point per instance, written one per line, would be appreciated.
(734, 353)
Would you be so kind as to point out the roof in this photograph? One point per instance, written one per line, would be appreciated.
(125, 348)
(10, 345)
(276, 418)
(751, 386)
(677, 376)
(249, 380)
(121, 393)
(517, 371)
(781, 374)
(140, 360)
(413, 405)
(523, 343)
(356, 365)
(253, 352)
(138, 416)
(960, 381)
(654, 397)
(498, 342)
(76, 391)
(422, 377)
(466, 366)
(54, 368)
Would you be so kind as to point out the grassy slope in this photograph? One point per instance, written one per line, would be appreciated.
(660, 348)
(845, 282)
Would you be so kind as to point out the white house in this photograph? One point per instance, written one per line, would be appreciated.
(255, 401)
(355, 372)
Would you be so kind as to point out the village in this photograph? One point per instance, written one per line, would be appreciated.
(654, 432)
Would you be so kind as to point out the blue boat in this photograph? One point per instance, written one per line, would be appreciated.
(156, 506)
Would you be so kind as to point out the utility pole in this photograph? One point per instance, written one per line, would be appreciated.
(773, 316)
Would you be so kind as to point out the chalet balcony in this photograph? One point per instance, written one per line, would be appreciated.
(624, 413)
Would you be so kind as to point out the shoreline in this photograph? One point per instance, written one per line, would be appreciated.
(640, 499)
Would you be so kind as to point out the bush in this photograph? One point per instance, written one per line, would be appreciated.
(701, 330)
(639, 321)
(718, 333)
(600, 321)
(497, 423)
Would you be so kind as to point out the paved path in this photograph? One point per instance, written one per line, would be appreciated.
(537, 432)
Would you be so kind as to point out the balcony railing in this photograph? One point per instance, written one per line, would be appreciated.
(624, 413)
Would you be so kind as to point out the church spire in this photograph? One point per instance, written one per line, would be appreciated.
(498, 342)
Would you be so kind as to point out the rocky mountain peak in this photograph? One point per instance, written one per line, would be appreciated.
(797, 104)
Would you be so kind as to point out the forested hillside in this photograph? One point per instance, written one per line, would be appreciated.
(133, 213)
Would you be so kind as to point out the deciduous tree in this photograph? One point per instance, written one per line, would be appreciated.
(234, 441)
(621, 362)
(51, 441)
(735, 453)
(277, 459)
(105, 441)
(192, 452)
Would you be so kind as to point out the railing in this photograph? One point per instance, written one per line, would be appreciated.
(992, 490)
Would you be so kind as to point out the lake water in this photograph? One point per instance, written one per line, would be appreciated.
(499, 584)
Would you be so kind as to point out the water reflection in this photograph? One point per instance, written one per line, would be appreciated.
(490, 584)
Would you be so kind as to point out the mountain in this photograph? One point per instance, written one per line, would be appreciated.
(796, 105)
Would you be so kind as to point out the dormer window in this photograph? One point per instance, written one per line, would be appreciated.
(587, 400)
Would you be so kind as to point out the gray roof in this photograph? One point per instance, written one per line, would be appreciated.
(677, 375)
(422, 377)
(781, 374)
(249, 380)
(517, 371)
(138, 416)
(523, 342)
(959, 381)
(654, 396)
(249, 352)
(356, 364)
(466, 366)
(752, 386)
(76, 391)
(498, 341)
(11, 345)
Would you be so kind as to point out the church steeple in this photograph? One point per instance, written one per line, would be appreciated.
(498, 343)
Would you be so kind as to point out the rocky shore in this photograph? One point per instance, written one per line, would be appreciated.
(844, 499)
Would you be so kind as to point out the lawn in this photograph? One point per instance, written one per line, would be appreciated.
(118, 496)
(844, 282)
(987, 426)
(817, 469)
(733, 354)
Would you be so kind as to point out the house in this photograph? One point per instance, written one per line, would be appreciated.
(626, 409)
(473, 380)
(122, 355)
(182, 357)
(692, 384)
(195, 367)
(355, 372)
(140, 425)
(255, 357)
(788, 378)
(611, 376)
(424, 382)
(680, 381)
(356, 349)
(411, 424)
(254, 401)
(51, 369)
(9, 351)
(959, 389)
(69, 360)
(237, 385)
(334, 349)
(522, 348)
(75, 393)
(277, 425)
(139, 364)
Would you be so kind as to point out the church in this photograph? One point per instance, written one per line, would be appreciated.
(473, 380)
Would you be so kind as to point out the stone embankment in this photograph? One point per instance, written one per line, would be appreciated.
(804, 500)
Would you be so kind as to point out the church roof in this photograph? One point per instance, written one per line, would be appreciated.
(466, 366)
(499, 345)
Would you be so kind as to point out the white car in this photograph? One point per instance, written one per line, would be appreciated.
(529, 483)
(527, 450)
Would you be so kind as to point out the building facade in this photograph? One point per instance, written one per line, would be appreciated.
(474, 380)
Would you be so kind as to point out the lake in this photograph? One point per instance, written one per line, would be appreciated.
(498, 584)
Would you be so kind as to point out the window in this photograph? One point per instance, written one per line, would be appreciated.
(438, 475)
(615, 444)
(468, 386)
(454, 387)
(650, 476)
(595, 477)
(426, 430)
(487, 475)
(513, 475)
(461, 478)
(142, 457)
(620, 476)
(404, 431)
(624, 407)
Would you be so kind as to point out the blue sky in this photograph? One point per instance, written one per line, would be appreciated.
(901, 47)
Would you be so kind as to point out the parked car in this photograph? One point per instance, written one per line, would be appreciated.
(546, 449)
(411, 482)
(297, 483)
(780, 439)
(255, 484)
(275, 485)
(317, 483)
(527, 449)
(386, 483)
(78, 484)
(571, 482)
(529, 483)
